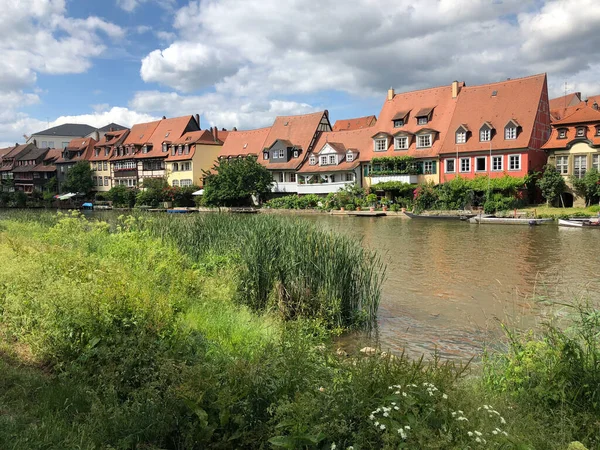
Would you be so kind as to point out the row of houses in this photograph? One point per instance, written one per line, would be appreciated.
(505, 128)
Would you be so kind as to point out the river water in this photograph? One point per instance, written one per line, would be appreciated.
(450, 283)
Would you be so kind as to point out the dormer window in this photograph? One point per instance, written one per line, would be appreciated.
(422, 120)
(165, 148)
(180, 150)
(485, 132)
(510, 133)
(349, 156)
(381, 145)
(173, 151)
(96, 152)
(398, 123)
(401, 143)
(295, 153)
(265, 155)
(461, 137)
(562, 133)
(580, 131)
(187, 149)
(598, 131)
(144, 149)
(424, 140)
(106, 151)
(323, 160)
(312, 160)
(332, 159)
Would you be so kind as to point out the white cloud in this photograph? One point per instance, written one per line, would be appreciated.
(131, 5)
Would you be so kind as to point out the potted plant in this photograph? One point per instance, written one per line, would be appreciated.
(371, 200)
(384, 205)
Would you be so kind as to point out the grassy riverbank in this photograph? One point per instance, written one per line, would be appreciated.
(151, 335)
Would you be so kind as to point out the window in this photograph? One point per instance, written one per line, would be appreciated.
(144, 149)
(485, 134)
(186, 182)
(510, 133)
(94, 181)
(465, 164)
(295, 153)
(281, 154)
(332, 159)
(165, 148)
(450, 166)
(180, 150)
(281, 178)
(514, 162)
(422, 120)
(62, 169)
(401, 143)
(596, 162)
(153, 165)
(380, 145)
(597, 131)
(349, 176)
(186, 149)
(349, 156)
(105, 181)
(461, 137)
(424, 141)
(580, 166)
(562, 164)
(64, 144)
(51, 144)
(581, 132)
(292, 177)
(93, 166)
(497, 163)
(480, 164)
(562, 133)
(186, 166)
(106, 150)
(175, 183)
(312, 161)
(266, 155)
(398, 123)
(44, 144)
(175, 167)
(96, 151)
(105, 165)
(429, 167)
(324, 160)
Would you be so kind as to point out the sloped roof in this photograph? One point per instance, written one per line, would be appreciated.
(582, 114)
(4, 151)
(517, 99)
(110, 139)
(141, 133)
(53, 154)
(202, 137)
(33, 153)
(114, 126)
(354, 124)
(85, 146)
(555, 143)
(167, 130)
(242, 143)
(68, 129)
(299, 130)
(565, 101)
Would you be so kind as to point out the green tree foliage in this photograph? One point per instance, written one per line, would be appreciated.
(233, 182)
(122, 196)
(79, 179)
(588, 187)
(51, 186)
(396, 165)
(552, 184)
(153, 192)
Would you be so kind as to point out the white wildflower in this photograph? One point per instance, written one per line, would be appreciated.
(333, 446)
(376, 424)
(382, 426)
(350, 448)
(406, 427)
(462, 419)
(402, 433)
(397, 392)
(371, 417)
(404, 394)
(494, 432)
(396, 408)
(461, 412)
(478, 433)
(386, 414)
(470, 433)
(453, 413)
(445, 396)
(478, 439)
(505, 433)
(393, 403)
(502, 421)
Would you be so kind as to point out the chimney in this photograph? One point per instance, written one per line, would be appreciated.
(595, 105)
(216, 133)
(198, 120)
(111, 129)
(234, 129)
(164, 117)
(455, 89)
(391, 93)
(586, 100)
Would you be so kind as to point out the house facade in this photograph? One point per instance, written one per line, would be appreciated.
(26, 178)
(76, 150)
(61, 135)
(102, 175)
(574, 146)
(123, 165)
(498, 129)
(193, 154)
(8, 163)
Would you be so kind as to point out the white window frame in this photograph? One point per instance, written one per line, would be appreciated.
(323, 160)
(398, 123)
(265, 155)
(485, 135)
(562, 164)
(562, 133)
(423, 120)
(580, 132)
(596, 161)
(510, 133)
(332, 159)
(105, 181)
(397, 141)
(380, 145)
(465, 159)
(312, 160)
(349, 176)
(579, 170)
(420, 137)
(430, 169)
(496, 158)
(446, 161)
(510, 157)
(461, 137)
(349, 157)
(479, 158)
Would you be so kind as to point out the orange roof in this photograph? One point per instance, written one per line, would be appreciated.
(355, 124)
(167, 130)
(359, 141)
(582, 114)
(110, 139)
(140, 133)
(585, 116)
(5, 151)
(565, 101)
(53, 154)
(242, 143)
(299, 130)
(593, 98)
(193, 137)
(84, 145)
(496, 103)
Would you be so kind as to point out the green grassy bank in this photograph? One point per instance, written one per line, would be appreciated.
(155, 335)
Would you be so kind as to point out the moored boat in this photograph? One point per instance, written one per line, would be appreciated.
(510, 221)
(579, 223)
(439, 217)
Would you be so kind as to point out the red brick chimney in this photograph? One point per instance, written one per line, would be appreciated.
(215, 133)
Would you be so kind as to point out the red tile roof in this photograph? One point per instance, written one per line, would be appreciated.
(110, 139)
(496, 103)
(582, 114)
(299, 130)
(167, 130)
(354, 124)
(565, 101)
(141, 133)
(83, 145)
(242, 143)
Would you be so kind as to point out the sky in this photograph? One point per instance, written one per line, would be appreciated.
(243, 62)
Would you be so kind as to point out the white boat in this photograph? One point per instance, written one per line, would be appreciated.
(579, 223)
(510, 221)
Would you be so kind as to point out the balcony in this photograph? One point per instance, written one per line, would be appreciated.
(404, 178)
(322, 188)
(125, 173)
(286, 188)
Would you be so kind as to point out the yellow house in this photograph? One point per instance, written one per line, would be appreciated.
(193, 153)
(574, 146)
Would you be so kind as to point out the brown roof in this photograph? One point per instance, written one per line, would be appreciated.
(242, 143)
(44, 168)
(8, 159)
(110, 139)
(140, 133)
(496, 103)
(167, 130)
(354, 124)
(83, 145)
(4, 151)
(53, 154)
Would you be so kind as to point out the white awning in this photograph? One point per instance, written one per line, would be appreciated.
(67, 196)
(200, 192)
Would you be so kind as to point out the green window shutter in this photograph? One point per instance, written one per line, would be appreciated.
(366, 170)
(434, 167)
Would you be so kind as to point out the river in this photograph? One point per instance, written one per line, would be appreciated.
(450, 283)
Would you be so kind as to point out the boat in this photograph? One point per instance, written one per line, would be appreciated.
(439, 217)
(366, 213)
(510, 221)
(579, 223)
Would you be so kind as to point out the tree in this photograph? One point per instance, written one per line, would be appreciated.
(233, 182)
(153, 192)
(79, 179)
(122, 196)
(552, 184)
(587, 187)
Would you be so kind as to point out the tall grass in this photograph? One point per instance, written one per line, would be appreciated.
(287, 265)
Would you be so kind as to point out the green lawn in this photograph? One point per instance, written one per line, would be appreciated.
(551, 211)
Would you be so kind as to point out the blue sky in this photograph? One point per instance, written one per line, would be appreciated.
(242, 62)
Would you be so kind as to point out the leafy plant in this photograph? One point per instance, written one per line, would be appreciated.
(79, 179)
(552, 184)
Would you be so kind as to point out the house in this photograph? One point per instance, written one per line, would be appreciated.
(8, 163)
(60, 136)
(77, 150)
(411, 124)
(123, 165)
(335, 162)
(560, 105)
(574, 145)
(26, 179)
(45, 172)
(100, 158)
(497, 129)
(354, 124)
(151, 156)
(192, 154)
